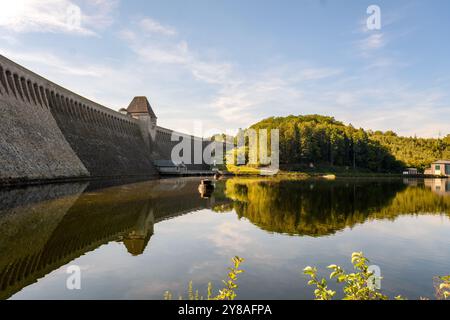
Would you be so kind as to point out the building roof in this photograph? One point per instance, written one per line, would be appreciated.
(442, 162)
(141, 105)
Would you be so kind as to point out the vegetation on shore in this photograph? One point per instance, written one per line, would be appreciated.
(302, 172)
(358, 285)
(362, 283)
(315, 144)
(413, 151)
(227, 293)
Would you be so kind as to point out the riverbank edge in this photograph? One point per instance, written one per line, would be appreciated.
(327, 174)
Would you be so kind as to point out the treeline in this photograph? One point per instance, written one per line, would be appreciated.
(414, 152)
(324, 141)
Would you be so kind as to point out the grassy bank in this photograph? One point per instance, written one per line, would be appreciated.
(306, 172)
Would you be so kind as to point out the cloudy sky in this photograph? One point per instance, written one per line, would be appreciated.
(229, 63)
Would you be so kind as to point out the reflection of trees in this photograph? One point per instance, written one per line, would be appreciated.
(416, 200)
(318, 208)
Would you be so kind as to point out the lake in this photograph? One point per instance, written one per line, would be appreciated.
(138, 240)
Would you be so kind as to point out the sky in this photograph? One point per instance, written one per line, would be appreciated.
(220, 65)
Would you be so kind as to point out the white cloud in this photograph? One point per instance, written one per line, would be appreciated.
(57, 65)
(235, 97)
(373, 42)
(318, 73)
(173, 54)
(153, 26)
(247, 101)
(55, 16)
(228, 234)
(99, 14)
(391, 105)
(173, 51)
(127, 35)
(9, 39)
(186, 84)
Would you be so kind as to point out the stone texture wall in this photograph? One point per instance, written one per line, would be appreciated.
(32, 147)
(109, 145)
(48, 132)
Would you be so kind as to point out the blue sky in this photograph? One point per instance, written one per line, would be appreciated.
(225, 64)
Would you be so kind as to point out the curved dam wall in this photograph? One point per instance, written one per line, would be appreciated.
(32, 146)
(108, 143)
(48, 133)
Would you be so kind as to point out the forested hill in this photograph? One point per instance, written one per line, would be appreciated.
(414, 152)
(323, 140)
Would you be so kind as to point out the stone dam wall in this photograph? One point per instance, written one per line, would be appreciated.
(32, 146)
(164, 145)
(50, 133)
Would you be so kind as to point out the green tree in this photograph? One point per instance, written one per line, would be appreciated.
(324, 141)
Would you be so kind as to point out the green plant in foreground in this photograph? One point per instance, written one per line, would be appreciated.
(356, 284)
(227, 293)
(442, 285)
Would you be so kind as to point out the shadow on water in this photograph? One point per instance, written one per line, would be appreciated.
(45, 227)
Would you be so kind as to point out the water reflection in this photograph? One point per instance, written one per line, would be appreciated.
(439, 186)
(320, 208)
(46, 227)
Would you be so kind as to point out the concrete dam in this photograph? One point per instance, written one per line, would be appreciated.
(48, 133)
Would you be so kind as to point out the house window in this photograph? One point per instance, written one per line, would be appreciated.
(438, 167)
(447, 169)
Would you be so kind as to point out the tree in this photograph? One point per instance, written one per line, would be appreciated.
(324, 140)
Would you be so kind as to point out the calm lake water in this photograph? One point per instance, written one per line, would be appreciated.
(137, 240)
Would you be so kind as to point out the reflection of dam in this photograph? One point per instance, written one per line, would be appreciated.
(44, 228)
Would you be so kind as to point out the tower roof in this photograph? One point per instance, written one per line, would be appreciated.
(141, 105)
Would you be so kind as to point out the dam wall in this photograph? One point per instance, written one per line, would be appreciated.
(48, 133)
(165, 145)
(32, 146)
(109, 144)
